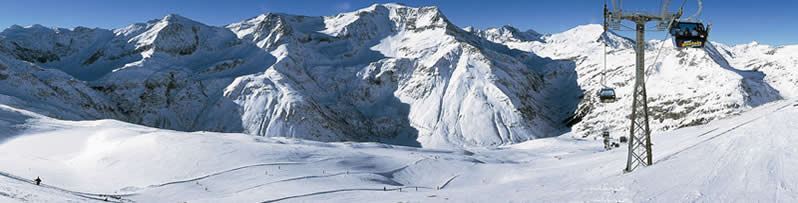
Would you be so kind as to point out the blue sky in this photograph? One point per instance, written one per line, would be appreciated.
(772, 22)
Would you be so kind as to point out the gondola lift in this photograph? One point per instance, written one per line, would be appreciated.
(606, 95)
(689, 34)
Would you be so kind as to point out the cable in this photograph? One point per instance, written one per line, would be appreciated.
(604, 73)
(632, 29)
(657, 57)
(683, 3)
(604, 39)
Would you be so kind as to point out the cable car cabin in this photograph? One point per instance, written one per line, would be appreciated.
(689, 34)
(607, 95)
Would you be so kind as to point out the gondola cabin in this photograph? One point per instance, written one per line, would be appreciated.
(607, 95)
(689, 34)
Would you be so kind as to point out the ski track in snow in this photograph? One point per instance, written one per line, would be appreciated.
(448, 181)
(719, 134)
(331, 175)
(730, 157)
(441, 187)
(332, 191)
(228, 171)
(723, 127)
(94, 196)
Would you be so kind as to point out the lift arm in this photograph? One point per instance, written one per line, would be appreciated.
(700, 6)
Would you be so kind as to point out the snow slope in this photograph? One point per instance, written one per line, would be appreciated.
(686, 87)
(388, 77)
(163, 73)
(748, 158)
(387, 73)
(778, 63)
(392, 72)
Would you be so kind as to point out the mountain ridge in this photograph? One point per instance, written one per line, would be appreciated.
(685, 102)
(387, 73)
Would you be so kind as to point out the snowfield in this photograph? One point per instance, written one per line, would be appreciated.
(387, 73)
(388, 103)
(748, 158)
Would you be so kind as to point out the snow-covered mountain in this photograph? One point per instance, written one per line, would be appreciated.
(778, 63)
(99, 115)
(398, 74)
(164, 73)
(388, 73)
(686, 87)
(505, 34)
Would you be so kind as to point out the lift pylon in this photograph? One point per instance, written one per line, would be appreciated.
(639, 132)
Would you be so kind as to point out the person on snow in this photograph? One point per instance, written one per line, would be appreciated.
(607, 143)
(37, 180)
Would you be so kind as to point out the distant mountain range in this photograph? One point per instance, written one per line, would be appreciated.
(387, 73)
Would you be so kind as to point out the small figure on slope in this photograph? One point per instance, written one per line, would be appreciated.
(606, 136)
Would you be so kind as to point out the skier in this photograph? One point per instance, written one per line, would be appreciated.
(37, 180)
(694, 32)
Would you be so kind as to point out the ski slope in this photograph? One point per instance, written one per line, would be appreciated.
(746, 158)
(387, 73)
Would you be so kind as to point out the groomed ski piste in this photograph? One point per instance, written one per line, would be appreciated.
(751, 157)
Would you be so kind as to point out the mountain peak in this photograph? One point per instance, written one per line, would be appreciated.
(507, 33)
(15, 26)
(176, 34)
(509, 27)
(388, 5)
(469, 28)
(588, 28)
(16, 31)
(173, 16)
(385, 18)
(178, 19)
(37, 26)
(591, 33)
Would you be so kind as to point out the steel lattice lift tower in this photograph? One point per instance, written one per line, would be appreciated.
(639, 132)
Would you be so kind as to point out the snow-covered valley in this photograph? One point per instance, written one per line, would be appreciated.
(387, 73)
(388, 103)
(747, 158)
